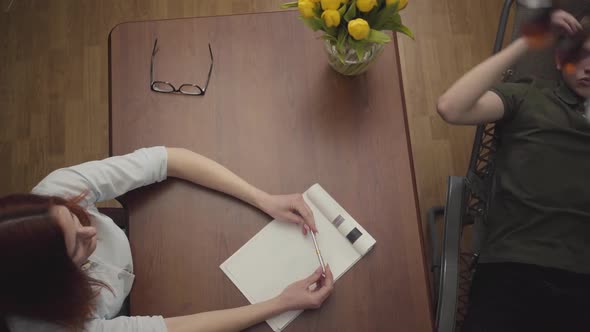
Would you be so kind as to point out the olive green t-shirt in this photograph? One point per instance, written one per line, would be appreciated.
(540, 207)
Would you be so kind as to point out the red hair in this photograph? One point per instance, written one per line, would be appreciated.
(39, 279)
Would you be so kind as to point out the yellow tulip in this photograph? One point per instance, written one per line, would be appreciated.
(365, 5)
(331, 17)
(358, 28)
(330, 4)
(345, 2)
(402, 3)
(315, 1)
(306, 8)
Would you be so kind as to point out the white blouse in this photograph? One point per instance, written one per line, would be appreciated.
(111, 262)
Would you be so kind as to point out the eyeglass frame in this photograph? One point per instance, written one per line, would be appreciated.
(201, 91)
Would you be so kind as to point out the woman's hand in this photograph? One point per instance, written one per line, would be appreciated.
(291, 208)
(296, 296)
(302, 295)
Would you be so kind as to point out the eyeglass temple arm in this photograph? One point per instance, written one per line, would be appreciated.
(152, 63)
(210, 69)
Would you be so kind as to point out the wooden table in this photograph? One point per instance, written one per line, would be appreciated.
(277, 115)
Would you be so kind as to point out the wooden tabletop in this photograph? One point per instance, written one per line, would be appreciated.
(278, 116)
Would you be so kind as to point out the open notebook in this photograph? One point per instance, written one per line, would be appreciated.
(280, 254)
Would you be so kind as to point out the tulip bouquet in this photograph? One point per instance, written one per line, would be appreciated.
(353, 29)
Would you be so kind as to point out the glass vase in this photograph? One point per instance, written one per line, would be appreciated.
(347, 63)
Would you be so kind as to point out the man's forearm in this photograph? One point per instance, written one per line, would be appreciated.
(196, 168)
(227, 320)
(463, 95)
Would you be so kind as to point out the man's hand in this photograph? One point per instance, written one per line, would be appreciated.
(542, 31)
(291, 208)
(565, 22)
(300, 295)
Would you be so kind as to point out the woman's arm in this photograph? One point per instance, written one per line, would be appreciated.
(226, 320)
(193, 167)
(101, 180)
(297, 296)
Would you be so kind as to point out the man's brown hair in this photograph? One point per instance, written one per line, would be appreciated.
(569, 47)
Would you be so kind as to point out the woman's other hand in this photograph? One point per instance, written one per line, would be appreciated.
(290, 208)
(303, 295)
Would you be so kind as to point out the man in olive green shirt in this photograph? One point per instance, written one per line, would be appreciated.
(534, 269)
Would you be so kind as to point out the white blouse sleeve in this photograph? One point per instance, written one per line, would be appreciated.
(106, 179)
(119, 324)
(128, 324)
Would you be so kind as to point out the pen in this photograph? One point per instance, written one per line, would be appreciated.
(317, 250)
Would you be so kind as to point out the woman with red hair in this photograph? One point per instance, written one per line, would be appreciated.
(68, 267)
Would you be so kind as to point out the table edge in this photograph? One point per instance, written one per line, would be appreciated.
(413, 174)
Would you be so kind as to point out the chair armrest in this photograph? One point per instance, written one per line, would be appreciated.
(449, 279)
(502, 26)
(433, 214)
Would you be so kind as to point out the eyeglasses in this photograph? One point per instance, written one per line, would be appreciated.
(185, 89)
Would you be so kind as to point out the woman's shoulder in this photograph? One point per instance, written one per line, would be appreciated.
(105, 179)
(68, 184)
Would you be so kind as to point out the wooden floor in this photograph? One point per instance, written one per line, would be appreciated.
(54, 79)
